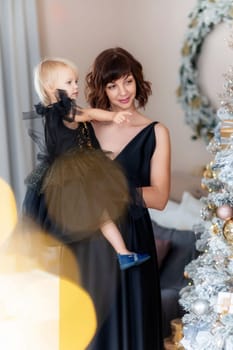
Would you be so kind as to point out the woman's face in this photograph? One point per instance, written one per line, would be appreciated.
(121, 93)
(67, 79)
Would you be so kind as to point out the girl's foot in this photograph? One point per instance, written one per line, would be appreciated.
(129, 260)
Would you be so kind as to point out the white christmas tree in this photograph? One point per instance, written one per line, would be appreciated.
(208, 298)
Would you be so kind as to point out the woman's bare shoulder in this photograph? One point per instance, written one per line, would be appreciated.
(162, 135)
(161, 128)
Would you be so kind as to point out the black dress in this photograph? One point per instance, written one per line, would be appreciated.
(127, 303)
(76, 187)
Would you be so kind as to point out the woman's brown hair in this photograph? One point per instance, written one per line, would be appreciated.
(110, 65)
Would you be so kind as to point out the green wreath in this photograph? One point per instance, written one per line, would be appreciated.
(199, 113)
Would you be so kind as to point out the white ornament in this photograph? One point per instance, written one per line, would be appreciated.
(200, 307)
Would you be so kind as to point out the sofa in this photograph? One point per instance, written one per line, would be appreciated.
(175, 238)
(175, 249)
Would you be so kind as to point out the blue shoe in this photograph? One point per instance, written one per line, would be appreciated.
(128, 260)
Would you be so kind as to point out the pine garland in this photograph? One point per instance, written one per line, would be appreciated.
(199, 113)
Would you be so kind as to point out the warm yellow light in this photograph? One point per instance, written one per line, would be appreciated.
(8, 211)
(35, 262)
(77, 317)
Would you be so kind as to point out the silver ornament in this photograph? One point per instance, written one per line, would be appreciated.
(200, 307)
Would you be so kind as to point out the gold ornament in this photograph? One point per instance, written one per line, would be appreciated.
(186, 275)
(208, 174)
(179, 91)
(204, 186)
(186, 49)
(173, 342)
(231, 12)
(215, 229)
(212, 206)
(228, 230)
(195, 102)
(193, 23)
(177, 330)
(226, 132)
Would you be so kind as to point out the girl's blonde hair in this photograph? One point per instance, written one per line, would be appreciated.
(46, 73)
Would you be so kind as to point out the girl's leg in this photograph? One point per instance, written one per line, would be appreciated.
(114, 237)
(126, 258)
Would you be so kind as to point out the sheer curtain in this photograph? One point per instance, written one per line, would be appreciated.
(19, 53)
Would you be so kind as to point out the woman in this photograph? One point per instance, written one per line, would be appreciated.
(142, 148)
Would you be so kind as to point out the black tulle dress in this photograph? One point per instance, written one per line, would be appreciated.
(79, 185)
(127, 303)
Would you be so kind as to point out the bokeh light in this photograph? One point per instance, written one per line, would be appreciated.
(43, 305)
(8, 211)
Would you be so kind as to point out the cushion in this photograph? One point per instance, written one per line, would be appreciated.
(189, 212)
(163, 247)
(166, 217)
(181, 216)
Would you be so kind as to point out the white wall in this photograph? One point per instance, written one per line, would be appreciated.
(153, 30)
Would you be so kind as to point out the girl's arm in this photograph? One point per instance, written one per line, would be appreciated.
(101, 115)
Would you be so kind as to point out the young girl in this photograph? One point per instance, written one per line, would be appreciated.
(82, 188)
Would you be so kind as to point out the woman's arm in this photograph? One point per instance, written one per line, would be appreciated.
(156, 195)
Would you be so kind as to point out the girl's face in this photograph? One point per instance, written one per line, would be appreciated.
(67, 79)
(121, 93)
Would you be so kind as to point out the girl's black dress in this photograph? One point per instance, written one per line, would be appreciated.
(127, 302)
(79, 185)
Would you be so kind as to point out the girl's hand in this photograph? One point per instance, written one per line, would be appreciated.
(120, 117)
